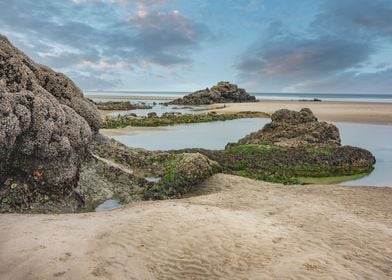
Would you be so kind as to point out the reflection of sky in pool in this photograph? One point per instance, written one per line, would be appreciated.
(212, 135)
(378, 140)
(157, 107)
(215, 135)
(107, 205)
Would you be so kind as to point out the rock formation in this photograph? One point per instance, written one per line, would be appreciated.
(46, 126)
(126, 171)
(121, 105)
(292, 129)
(223, 92)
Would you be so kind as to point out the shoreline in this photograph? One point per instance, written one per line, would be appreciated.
(272, 230)
(331, 111)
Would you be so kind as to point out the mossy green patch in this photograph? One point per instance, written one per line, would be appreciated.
(172, 119)
(290, 165)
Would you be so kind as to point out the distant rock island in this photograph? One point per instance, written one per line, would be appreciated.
(223, 92)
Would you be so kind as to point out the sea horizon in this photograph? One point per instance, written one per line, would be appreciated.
(349, 97)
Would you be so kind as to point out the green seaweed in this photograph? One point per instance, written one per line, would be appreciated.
(168, 119)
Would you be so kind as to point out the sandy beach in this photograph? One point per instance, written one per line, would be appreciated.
(358, 112)
(232, 228)
(195, 140)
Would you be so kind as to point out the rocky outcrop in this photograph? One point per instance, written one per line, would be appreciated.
(223, 92)
(46, 126)
(293, 129)
(121, 106)
(130, 174)
(182, 174)
(18, 72)
(295, 145)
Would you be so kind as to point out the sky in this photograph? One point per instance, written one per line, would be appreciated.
(315, 46)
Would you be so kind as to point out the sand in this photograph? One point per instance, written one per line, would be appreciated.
(338, 111)
(232, 228)
(343, 111)
(331, 111)
(358, 112)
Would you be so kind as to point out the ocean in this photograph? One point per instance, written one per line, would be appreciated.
(268, 96)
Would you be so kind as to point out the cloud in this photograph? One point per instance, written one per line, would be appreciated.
(110, 36)
(349, 82)
(89, 81)
(165, 38)
(337, 48)
(282, 61)
(360, 18)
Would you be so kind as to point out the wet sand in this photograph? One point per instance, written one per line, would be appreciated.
(234, 228)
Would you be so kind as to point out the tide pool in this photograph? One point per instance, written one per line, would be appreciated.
(215, 135)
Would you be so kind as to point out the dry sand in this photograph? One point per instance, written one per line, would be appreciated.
(234, 228)
(359, 112)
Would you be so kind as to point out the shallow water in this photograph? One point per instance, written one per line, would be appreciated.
(378, 140)
(156, 107)
(215, 135)
(107, 205)
(153, 179)
(211, 135)
(160, 109)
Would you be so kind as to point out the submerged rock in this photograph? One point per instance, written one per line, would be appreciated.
(46, 126)
(293, 129)
(223, 92)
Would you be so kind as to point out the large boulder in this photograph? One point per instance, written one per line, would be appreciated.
(223, 92)
(293, 129)
(46, 126)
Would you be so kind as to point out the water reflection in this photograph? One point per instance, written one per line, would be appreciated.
(377, 139)
(212, 135)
